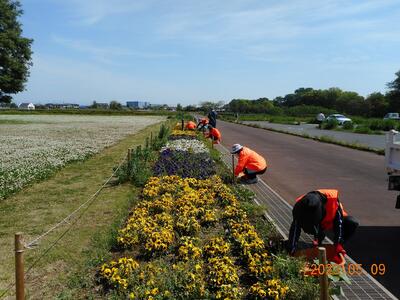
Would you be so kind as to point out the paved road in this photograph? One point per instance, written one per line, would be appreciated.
(375, 141)
(298, 165)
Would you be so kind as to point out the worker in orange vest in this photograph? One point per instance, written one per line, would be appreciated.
(250, 163)
(214, 134)
(320, 211)
(202, 124)
(191, 125)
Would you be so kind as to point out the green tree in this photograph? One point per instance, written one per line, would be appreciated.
(352, 103)
(94, 105)
(179, 107)
(115, 105)
(378, 105)
(15, 50)
(394, 93)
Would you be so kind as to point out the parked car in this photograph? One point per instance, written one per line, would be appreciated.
(339, 118)
(392, 116)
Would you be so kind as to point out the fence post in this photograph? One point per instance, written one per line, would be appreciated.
(183, 123)
(323, 279)
(233, 168)
(19, 267)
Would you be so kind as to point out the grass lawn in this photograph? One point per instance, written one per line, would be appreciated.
(36, 208)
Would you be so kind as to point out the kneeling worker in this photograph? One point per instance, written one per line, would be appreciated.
(191, 125)
(214, 134)
(202, 124)
(317, 212)
(250, 163)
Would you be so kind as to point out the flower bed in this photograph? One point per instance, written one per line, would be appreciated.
(185, 164)
(190, 238)
(184, 144)
(197, 227)
(183, 134)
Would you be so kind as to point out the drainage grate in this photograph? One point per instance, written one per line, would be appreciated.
(363, 286)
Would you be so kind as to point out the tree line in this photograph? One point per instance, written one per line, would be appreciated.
(334, 99)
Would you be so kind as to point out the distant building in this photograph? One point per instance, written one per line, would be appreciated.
(137, 104)
(27, 105)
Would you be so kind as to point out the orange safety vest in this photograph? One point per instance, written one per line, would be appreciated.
(204, 121)
(190, 125)
(215, 133)
(251, 160)
(331, 207)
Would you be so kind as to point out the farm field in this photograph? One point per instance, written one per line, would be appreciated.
(34, 146)
(43, 204)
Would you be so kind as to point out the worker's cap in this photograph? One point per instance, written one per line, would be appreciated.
(309, 211)
(236, 148)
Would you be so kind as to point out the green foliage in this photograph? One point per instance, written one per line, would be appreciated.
(348, 125)
(330, 124)
(207, 106)
(139, 169)
(15, 54)
(308, 111)
(378, 105)
(384, 125)
(115, 105)
(300, 287)
(243, 194)
(363, 129)
(394, 93)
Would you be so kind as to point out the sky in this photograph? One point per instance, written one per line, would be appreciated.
(188, 51)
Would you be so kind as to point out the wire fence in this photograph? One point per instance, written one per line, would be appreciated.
(70, 220)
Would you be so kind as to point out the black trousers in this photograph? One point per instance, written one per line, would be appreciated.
(250, 174)
(349, 226)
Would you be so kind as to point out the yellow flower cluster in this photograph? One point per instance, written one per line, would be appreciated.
(247, 237)
(216, 247)
(173, 206)
(193, 280)
(209, 216)
(154, 231)
(187, 250)
(116, 273)
(270, 289)
(177, 132)
(222, 276)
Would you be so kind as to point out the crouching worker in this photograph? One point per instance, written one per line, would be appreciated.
(214, 134)
(202, 125)
(190, 125)
(317, 212)
(250, 163)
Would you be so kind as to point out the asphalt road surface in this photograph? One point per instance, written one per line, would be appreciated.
(297, 165)
(376, 141)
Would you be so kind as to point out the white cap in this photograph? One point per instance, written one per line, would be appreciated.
(236, 148)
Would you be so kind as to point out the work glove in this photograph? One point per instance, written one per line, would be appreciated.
(338, 250)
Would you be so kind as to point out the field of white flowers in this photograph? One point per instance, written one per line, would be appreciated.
(33, 146)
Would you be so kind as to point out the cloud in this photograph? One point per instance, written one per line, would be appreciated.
(107, 54)
(248, 26)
